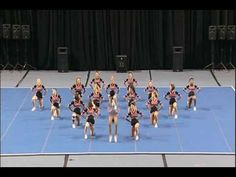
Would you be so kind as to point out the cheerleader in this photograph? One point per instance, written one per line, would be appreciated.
(171, 95)
(191, 89)
(130, 81)
(96, 97)
(38, 95)
(75, 106)
(112, 86)
(78, 87)
(113, 114)
(97, 81)
(133, 114)
(155, 106)
(150, 88)
(55, 100)
(131, 96)
(90, 120)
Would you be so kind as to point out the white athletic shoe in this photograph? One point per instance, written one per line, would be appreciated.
(115, 139)
(52, 118)
(34, 108)
(194, 108)
(73, 125)
(110, 138)
(136, 138)
(156, 125)
(176, 116)
(85, 136)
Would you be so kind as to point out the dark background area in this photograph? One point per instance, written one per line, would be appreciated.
(94, 37)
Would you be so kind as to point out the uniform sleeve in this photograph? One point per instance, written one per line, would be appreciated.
(186, 87)
(128, 115)
(118, 89)
(139, 113)
(177, 93)
(91, 95)
(59, 96)
(70, 105)
(73, 87)
(83, 87)
(92, 81)
(82, 103)
(108, 86)
(168, 93)
(85, 111)
(33, 87)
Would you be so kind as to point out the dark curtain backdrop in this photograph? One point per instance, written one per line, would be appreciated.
(94, 37)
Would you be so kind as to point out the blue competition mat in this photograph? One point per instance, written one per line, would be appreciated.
(210, 129)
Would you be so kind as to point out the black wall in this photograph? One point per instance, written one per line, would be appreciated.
(94, 37)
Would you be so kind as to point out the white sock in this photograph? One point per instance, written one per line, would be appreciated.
(110, 138)
(85, 136)
(115, 138)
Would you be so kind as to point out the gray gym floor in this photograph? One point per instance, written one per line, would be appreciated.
(161, 78)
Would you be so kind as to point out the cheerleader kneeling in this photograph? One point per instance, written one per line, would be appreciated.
(76, 106)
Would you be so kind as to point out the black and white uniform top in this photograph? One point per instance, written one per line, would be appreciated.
(78, 88)
(150, 90)
(98, 81)
(130, 82)
(55, 100)
(39, 90)
(75, 106)
(191, 89)
(134, 117)
(172, 94)
(114, 87)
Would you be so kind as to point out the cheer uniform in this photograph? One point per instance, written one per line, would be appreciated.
(90, 115)
(155, 105)
(55, 100)
(75, 106)
(172, 95)
(112, 87)
(96, 98)
(134, 116)
(78, 88)
(39, 90)
(191, 90)
(150, 90)
(99, 82)
(130, 82)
